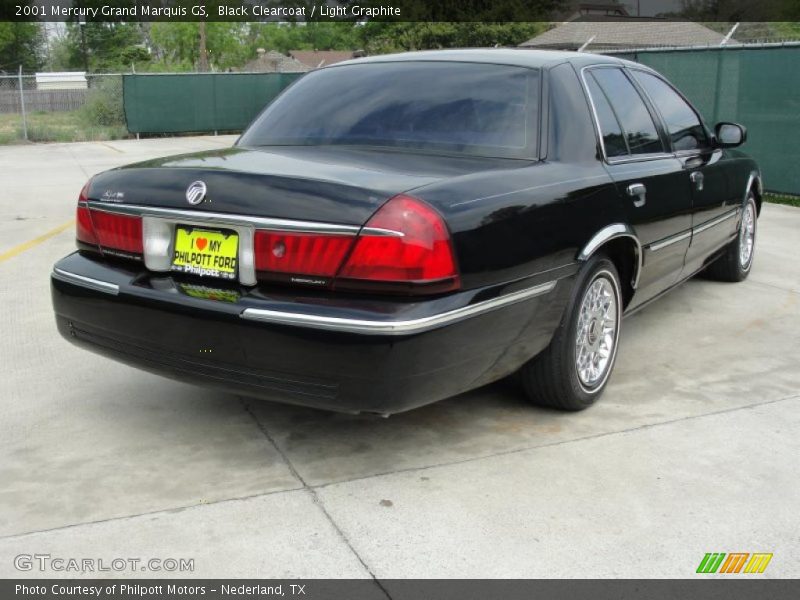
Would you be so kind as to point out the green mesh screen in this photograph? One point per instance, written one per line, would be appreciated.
(757, 87)
(198, 102)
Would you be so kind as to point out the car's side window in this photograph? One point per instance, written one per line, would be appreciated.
(683, 125)
(613, 138)
(638, 126)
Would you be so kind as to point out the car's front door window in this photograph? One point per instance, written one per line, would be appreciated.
(683, 125)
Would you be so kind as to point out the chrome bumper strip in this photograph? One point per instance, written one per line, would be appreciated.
(670, 240)
(375, 327)
(663, 243)
(717, 221)
(87, 282)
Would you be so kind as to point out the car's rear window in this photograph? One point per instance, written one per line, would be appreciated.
(469, 108)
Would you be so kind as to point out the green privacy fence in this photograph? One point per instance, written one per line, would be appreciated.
(757, 86)
(198, 102)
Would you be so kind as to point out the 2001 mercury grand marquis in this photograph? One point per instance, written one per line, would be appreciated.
(395, 230)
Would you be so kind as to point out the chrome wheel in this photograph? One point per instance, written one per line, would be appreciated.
(598, 322)
(747, 235)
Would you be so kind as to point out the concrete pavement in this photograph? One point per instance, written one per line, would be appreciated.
(693, 448)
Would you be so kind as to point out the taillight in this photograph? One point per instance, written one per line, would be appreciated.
(112, 232)
(405, 246)
(118, 232)
(84, 231)
(283, 253)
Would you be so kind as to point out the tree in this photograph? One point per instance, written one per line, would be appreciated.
(378, 37)
(177, 44)
(21, 44)
(109, 47)
(314, 35)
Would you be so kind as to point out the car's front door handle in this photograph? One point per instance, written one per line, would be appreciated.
(697, 179)
(638, 191)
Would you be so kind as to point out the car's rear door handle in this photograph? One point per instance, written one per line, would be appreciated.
(638, 191)
(697, 179)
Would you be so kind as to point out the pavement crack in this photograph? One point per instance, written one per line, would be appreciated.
(311, 490)
(149, 513)
(561, 442)
(77, 162)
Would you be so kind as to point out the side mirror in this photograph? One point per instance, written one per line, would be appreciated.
(730, 135)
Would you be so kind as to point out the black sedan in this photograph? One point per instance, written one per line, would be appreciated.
(395, 230)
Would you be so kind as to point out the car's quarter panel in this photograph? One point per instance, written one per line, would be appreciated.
(517, 223)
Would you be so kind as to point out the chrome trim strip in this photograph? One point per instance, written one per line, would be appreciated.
(716, 221)
(638, 158)
(87, 282)
(373, 327)
(611, 232)
(198, 216)
(383, 232)
(674, 239)
(655, 246)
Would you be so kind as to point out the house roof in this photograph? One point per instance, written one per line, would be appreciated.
(314, 59)
(274, 62)
(626, 33)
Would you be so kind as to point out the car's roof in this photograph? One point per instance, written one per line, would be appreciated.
(522, 57)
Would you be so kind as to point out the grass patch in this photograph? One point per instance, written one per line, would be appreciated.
(65, 126)
(782, 199)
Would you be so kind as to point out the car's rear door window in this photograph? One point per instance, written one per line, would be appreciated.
(638, 127)
(613, 138)
(683, 125)
(471, 108)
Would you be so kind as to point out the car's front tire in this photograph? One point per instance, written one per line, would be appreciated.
(574, 369)
(737, 260)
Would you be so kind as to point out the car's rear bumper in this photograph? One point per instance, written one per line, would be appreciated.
(338, 353)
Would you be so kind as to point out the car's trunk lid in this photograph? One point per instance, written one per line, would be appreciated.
(325, 184)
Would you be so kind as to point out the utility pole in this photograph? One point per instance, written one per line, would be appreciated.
(22, 105)
(202, 62)
(82, 25)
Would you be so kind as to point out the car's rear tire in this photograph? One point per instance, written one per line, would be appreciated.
(572, 372)
(737, 260)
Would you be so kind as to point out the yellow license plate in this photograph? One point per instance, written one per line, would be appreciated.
(204, 252)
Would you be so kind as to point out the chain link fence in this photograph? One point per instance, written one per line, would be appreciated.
(71, 109)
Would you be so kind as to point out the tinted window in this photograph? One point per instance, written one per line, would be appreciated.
(637, 124)
(683, 125)
(613, 138)
(469, 108)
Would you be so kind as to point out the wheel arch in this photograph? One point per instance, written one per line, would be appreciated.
(755, 184)
(621, 244)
